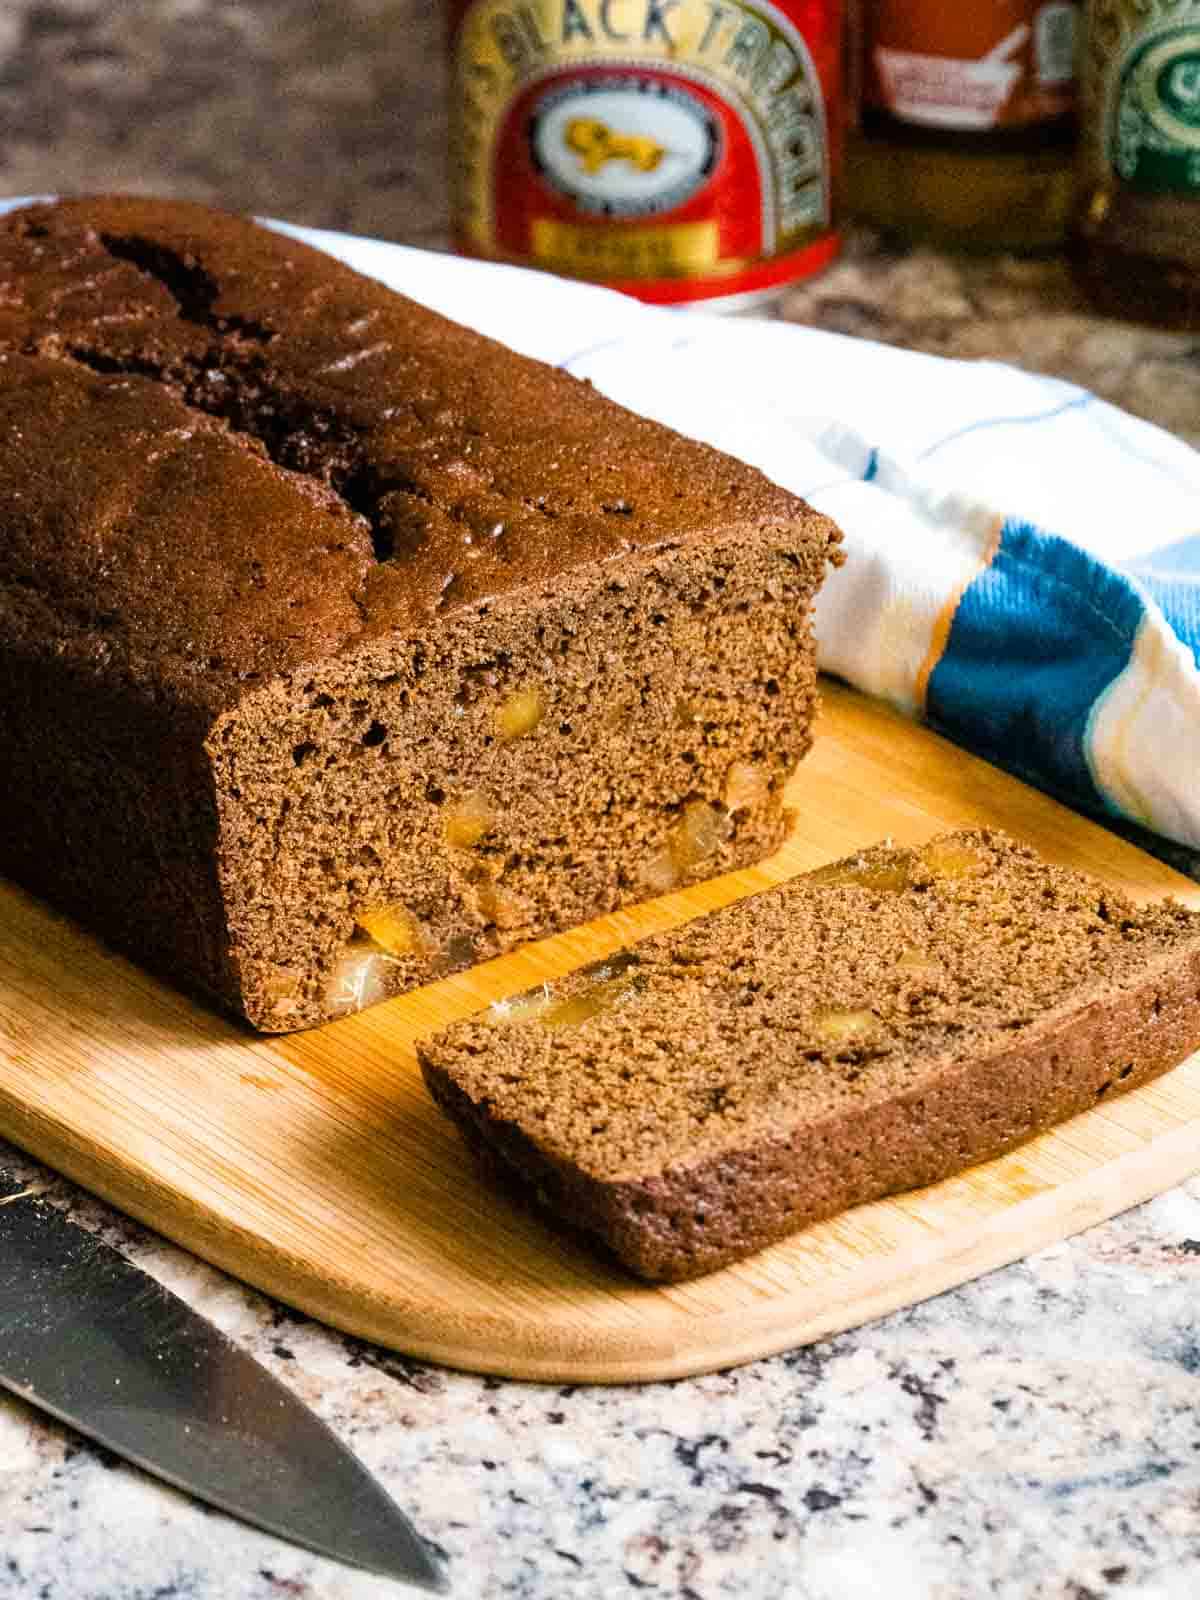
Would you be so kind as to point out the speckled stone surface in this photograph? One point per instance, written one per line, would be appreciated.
(1032, 1436)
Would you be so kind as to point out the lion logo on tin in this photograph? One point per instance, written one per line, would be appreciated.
(595, 143)
(624, 145)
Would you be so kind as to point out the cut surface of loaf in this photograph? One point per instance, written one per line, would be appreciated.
(868, 1028)
(342, 647)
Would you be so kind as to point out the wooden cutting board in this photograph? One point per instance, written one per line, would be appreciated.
(315, 1167)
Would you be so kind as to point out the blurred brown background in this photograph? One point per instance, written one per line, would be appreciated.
(329, 112)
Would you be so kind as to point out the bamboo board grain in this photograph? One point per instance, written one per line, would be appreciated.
(316, 1168)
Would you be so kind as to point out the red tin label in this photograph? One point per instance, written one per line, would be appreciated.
(679, 150)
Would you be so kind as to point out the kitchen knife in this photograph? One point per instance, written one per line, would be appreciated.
(93, 1340)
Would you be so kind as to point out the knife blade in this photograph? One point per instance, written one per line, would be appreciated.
(99, 1344)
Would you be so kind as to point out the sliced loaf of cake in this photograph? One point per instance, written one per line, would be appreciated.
(341, 647)
(864, 1029)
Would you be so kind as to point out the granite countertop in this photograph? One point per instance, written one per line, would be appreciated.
(1031, 1436)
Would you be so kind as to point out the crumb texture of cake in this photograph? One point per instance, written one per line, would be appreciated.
(860, 1030)
(343, 647)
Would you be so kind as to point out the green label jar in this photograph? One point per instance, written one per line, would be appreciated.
(1136, 240)
(1154, 138)
(1142, 80)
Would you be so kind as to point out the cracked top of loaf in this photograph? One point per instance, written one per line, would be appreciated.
(228, 454)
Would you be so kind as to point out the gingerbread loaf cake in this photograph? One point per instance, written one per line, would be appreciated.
(341, 647)
(862, 1030)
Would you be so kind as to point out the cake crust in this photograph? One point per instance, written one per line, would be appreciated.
(364, 464)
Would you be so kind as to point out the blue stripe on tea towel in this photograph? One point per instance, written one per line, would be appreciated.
(1036, 640)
